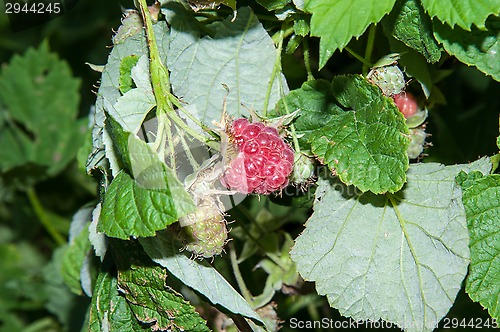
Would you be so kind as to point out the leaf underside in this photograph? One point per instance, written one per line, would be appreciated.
(240, 55)
(399, 257)
(196, 274)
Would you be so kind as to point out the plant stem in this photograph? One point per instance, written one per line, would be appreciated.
(369, 49)
(313, 312)
(358, 57)
(307, 60)
(187, 150)
(44, 220)
(184, 126)
(286, 32)
(161, 88)
(277, 65)
(237, 274)
(295, 140)
(273, 257)
(171, 146)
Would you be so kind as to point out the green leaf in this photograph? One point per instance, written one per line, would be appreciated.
(150, 200)
(152, 302)
(316, 106)
(336, 22)
(480, 48)
(397, 257)
(281, 270)
(301, 25)
(366, 146)
(239, 54)
(198, 275)
(482, 207)
(130, 209)
(20, 283)
(409, 24)
(109, 311)
(42, 100)
(73, 260)
(271, 5)
(60, 301)
(464, 13)
(126, 65)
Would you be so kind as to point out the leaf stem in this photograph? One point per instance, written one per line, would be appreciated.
(186, 127)
(277, 66)
(357, 56)
(171, 148)
(42, 216)
(369, 48)
(307, 59)
(256, 241)
(286, 32)
(295, 140)
(187, 150)
(239, 278)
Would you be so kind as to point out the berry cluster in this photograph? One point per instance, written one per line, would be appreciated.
(264, 160)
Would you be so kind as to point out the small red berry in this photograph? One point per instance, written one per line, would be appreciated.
(264, 161)
(407, 104)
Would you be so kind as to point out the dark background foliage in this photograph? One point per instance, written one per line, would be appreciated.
(32, 295)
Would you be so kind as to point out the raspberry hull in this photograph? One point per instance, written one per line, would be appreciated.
(264, 161)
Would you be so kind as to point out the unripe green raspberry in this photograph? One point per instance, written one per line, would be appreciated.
(303, 168)
(389, 79)
(204, 231)
(416, 146)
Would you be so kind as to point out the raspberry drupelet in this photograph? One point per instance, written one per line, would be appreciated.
(264, 161)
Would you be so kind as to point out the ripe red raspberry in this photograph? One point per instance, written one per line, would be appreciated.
(264, 160)
(407, 104)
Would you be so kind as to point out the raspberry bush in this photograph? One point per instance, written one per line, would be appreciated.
(253, 165)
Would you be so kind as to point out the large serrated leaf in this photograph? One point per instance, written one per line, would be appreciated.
(130, 209)
(197, 274)
(398, 257)
(336, 22)
(149, 298)
(480, 48)
(366, 146)
(315, 105)
(409, 24)
(42, 100)
(109, 311)
(463, 13)
(482, 206)
(240, 54)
